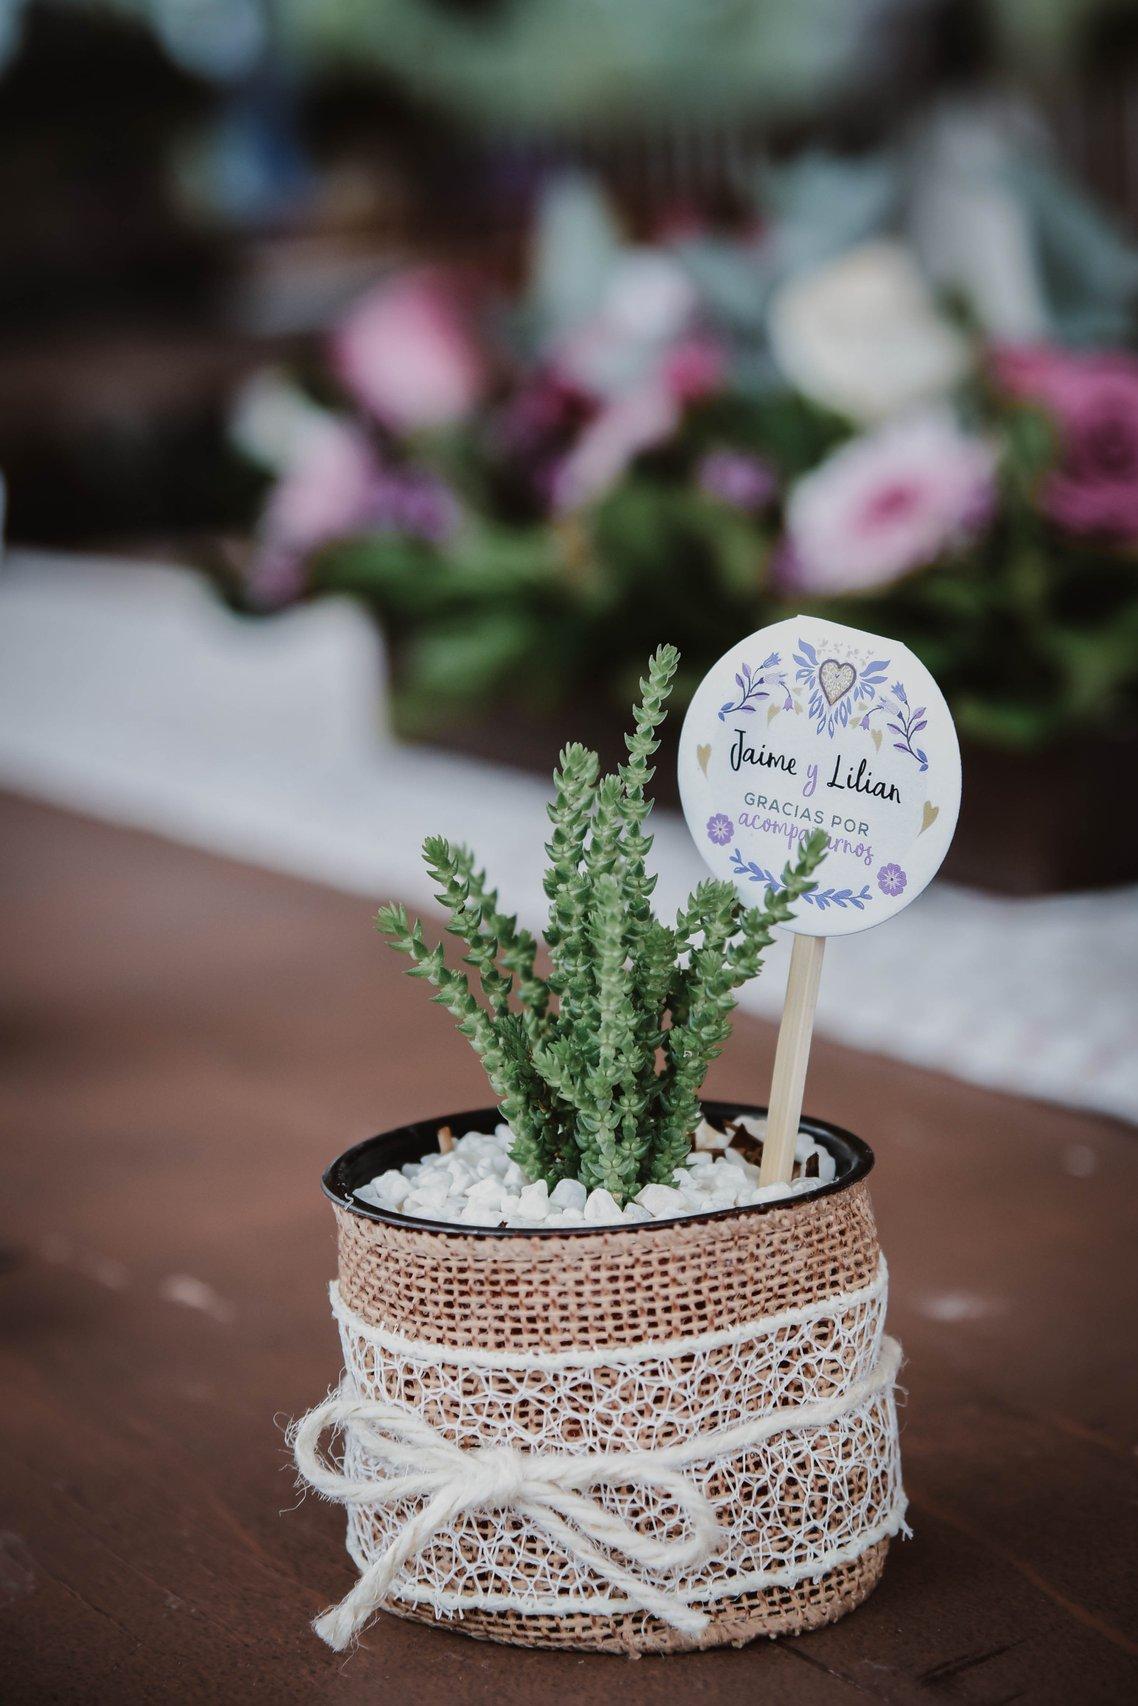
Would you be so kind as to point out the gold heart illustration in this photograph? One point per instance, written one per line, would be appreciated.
(836, 679)
(703, 753)
(929, 816)
(876, 733)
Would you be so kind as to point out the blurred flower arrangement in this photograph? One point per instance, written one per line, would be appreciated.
(697, 434)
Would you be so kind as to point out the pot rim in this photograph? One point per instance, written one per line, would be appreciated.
(340, 1177)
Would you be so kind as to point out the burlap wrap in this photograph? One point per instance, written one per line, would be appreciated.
(589, 1291)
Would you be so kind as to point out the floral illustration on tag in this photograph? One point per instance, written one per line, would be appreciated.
(756, 685)
(823, 899)
(720, 829)
(906, 723)
(891, 880)
(836, 689)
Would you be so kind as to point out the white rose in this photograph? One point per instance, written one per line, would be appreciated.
(862, 335)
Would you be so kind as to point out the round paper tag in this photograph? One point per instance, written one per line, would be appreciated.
(810, 725)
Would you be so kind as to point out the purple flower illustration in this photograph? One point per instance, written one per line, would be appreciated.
(891, 879)
(745, 482)
(720, 829)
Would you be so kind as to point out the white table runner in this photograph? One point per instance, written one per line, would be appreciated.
(131, 694)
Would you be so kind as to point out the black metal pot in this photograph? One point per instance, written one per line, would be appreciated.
(359, 1165)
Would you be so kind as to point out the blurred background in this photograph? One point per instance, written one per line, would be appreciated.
(380, 381)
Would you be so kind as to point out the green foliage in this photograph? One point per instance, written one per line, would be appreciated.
(599, 1065)
(1029, 631)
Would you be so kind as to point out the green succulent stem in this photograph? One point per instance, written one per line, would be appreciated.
(598, 1065)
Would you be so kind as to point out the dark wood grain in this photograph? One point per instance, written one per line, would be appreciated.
(186, 1042)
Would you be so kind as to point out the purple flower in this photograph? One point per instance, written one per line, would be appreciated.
(744, 482)
(338, 486)
(413, 502)
(891, 880)
(1093, 398)
(720, 829)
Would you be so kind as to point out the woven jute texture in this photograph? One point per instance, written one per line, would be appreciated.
(606, 1288)
(588, 1291)
(734, 1622)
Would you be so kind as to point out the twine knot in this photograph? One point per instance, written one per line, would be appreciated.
(552, 1491)
(495, 1476)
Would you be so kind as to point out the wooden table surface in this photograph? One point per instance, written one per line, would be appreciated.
(186, 1042)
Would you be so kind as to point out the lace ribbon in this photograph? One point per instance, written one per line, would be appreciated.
(550, 1489)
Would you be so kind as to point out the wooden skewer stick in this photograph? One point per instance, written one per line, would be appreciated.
(791, 1057)
(446, 1140)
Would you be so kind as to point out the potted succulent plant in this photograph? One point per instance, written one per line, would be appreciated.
(603, 1389)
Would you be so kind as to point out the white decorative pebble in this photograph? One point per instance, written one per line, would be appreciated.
(391, 1187)
(707, 1137)
(476, 1184)
(716, 1200)
(601, 1206)
(568, 1193)
(661, 1200)
(475, 1213)
(770, 1193)
(432, 1190)
(533, 1201)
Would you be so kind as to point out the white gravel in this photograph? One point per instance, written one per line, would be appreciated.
(476, 1184)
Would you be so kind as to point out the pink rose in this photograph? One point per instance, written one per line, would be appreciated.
(327, 491)
(1093, 399)
(610, 443)
(886, 503)
(406, 352)
(693, 368)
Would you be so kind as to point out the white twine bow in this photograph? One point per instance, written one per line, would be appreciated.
(546, 1489)
(549, 1490)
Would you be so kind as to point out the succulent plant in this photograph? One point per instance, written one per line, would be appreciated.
(599, 1064)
